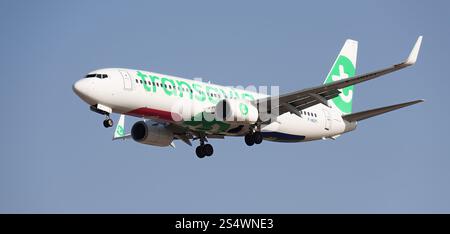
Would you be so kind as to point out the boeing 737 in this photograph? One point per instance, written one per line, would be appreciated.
(173, 108)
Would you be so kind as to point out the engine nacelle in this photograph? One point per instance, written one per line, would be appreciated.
(236, 111)
(151, 134)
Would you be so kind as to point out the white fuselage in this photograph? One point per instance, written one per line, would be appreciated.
(159, 97)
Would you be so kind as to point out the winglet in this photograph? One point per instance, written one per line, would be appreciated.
(119, 133)
(412, 58)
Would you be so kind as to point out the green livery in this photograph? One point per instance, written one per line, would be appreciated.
(342, 69)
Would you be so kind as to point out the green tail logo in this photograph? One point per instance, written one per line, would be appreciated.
(342, 69)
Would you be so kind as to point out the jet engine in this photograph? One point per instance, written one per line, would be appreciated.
(151, 133)
(236, 111)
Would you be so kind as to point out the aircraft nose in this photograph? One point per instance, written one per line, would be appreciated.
(81, 87)
(85, 90)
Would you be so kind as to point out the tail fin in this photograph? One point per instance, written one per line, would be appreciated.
(344, 67)
(119, 133)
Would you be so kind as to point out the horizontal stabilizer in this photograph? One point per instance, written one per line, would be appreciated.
(378, 111)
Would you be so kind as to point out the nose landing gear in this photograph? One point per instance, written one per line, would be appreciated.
(108, 122)
(103, 110)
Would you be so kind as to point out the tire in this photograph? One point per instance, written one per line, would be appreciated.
(258, 137)
(107, 123)
(200, 151)
(208, 150)
(249, 140)
(110, 122)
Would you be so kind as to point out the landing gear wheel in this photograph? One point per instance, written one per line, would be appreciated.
(257, 137)
(208, 150)
(200, 151)
(108, 123)
(249, 139)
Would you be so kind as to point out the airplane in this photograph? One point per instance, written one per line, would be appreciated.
(173, 108)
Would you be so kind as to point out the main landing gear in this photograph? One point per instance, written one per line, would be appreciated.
(108, 122)
(253, 138)
(204, 149)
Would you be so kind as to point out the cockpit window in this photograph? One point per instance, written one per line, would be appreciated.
(100, 76)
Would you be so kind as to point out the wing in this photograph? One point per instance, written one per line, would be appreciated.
(180, 133)
(302, 99)
(186, 135)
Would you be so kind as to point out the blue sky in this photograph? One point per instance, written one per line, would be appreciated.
(55, 155)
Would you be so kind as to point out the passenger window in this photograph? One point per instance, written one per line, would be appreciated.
(140, 81)
(136, 81)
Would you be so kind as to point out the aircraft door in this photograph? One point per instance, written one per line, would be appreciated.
(327, 120)
(127, 83)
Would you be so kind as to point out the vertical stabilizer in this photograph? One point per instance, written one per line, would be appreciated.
(344, 67)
